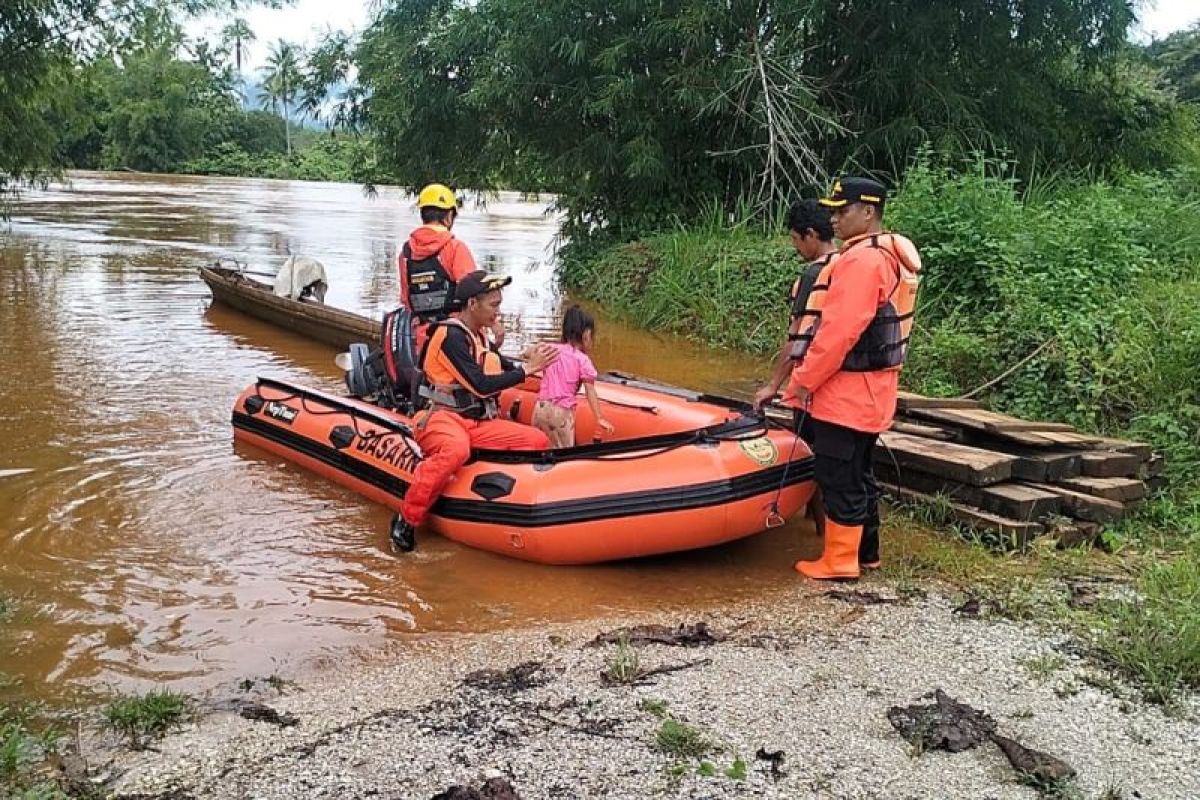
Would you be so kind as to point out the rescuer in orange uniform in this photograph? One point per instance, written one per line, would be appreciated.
(464, 376)
(433, 261)
(849, 376)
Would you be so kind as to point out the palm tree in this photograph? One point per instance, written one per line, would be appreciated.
(238, 36)
(281, 79)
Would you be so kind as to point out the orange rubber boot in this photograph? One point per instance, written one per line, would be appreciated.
(839, 559)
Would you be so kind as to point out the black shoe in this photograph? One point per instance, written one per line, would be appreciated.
(404, 535)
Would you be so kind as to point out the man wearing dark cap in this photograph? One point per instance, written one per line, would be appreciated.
(464, 376)
(849, 377)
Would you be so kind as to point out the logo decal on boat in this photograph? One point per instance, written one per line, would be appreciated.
(284, 413)
(391, 448)
(760, 450)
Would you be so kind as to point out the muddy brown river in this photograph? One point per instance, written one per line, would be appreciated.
(140, 548)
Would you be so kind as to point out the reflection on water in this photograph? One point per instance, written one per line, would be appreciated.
(139, 547)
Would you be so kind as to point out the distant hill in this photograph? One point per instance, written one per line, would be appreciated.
(252, 94)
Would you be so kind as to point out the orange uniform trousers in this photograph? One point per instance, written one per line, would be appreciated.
(446, 440)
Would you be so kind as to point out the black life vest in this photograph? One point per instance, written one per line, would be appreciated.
(430, 289)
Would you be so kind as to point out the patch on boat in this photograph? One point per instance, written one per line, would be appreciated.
(281, 412)
(760, 450)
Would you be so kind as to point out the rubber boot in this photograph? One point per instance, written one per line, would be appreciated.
(868, 549)
(839, 560)
(403, 535)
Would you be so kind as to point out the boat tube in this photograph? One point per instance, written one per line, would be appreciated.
(684, 471)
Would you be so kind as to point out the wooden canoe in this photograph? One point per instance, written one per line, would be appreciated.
(332, 326)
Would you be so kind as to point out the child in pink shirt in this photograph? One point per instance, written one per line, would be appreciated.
(554, 413)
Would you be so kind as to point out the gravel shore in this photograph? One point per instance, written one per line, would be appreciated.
(794, 695)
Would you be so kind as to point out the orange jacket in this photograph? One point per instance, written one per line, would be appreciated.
(455, 256)
(872, 272)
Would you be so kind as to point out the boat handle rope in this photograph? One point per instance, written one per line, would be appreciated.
(774, 517)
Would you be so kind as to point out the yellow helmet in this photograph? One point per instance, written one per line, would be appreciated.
(438, 196)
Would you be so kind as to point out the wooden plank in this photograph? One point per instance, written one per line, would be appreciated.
(1041, 465)
(1153, 467)
(1083, 441)
(1109, 464)
(990, 421)
(1016, 533)
(1157, 483)
(997, 422)
(1069, 533)
(1122, 490)
(1140, 449)
(906, 401)
(1018, 502)
(946, 459)
(1010, 500)
(928, 431)
(1084, 506)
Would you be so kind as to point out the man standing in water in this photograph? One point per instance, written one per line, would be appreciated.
(849, 377)
(464, 376)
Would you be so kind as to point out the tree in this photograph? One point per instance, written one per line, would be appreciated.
(238, 36)
(164, 110)
(281, 83)
(636, 113)
(41, 43)
(1178, 56)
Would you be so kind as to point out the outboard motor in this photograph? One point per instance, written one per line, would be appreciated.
(388, 373)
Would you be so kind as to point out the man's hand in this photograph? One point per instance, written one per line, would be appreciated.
(802, 396)
(497, 333)
(764, 395)
(538, 357)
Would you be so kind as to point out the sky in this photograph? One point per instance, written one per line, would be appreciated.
(305, 21)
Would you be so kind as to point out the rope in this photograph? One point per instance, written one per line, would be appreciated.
(774, 517)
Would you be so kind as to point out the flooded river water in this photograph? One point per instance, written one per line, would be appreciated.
(140, 548)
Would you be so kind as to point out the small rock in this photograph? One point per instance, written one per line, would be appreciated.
(969, 609)
(945, 725)
(264, 713)
(696, 635)
(1034, 763)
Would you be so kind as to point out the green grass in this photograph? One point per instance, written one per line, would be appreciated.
(1043, 667)
(1154, 637)
(23, 754)
(657, 708)
(624, 665)
(682, 741)
(149, 716)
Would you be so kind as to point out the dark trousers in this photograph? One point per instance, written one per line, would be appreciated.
(849, 491)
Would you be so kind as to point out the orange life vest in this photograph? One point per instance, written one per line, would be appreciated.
(884, 343)
(806, 326)
(444, 386)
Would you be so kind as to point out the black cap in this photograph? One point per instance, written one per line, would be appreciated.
(479, 282)
(855, 190)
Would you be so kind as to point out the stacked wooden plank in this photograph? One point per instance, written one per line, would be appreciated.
(1013, 477)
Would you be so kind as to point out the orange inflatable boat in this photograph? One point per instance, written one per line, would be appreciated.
(684, 471)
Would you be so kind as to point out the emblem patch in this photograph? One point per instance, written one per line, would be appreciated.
(760, 450)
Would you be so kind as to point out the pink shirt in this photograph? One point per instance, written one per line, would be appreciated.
(560, 381)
